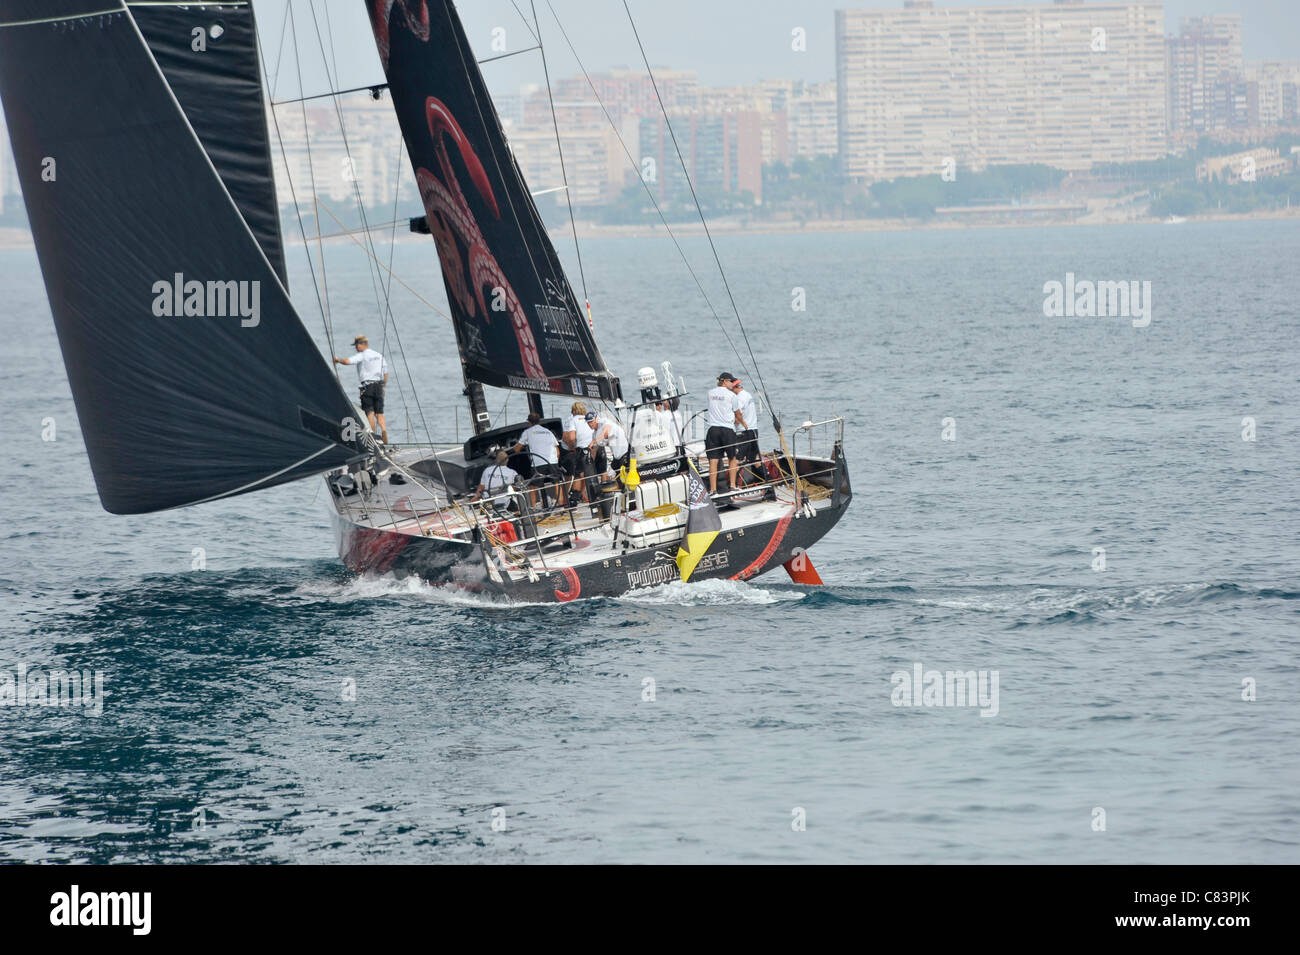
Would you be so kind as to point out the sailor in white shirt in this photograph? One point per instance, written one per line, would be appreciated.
(573, 457)
(372, 372)
(725, 423)
(608, 440)
(497, 478)
(543, 453)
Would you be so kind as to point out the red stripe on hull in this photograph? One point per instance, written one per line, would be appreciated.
(761, 560)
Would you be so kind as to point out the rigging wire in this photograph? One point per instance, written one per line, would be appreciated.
(323, 293)
(686, 172)
(375, 278)
(395, 277)
(386, 316)
(388, 284)
(396, 332)
(279, 56)
(537, 34)
(646, 187)
(568, 193)
(293, 194)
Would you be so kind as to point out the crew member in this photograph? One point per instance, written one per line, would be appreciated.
(372, 372)
(608, 441)
(543, 453)
(498, 477)
(576, 439)
(725, 424)
(749, 453)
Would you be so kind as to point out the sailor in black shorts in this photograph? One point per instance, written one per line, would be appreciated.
(725, 424)
(372, 371)
(372, 397)
(720, 442)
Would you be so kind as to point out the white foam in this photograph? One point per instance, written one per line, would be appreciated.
(701, 593)
(371, 587)
(709, 593)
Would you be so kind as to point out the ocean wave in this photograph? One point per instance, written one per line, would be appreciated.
(1071, 605)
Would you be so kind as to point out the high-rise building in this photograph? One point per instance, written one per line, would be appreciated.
(1205, 55)
(630, 92)
(813, 121)
(594, 163)
(1067, 84)
(1279, 89)
(798, 118)
(1235, 103)
(723, 152)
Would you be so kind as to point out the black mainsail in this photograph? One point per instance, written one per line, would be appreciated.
(192, 374)
(518, 323)
(208, 53)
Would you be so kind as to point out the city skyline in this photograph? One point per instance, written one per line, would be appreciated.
(726, 43)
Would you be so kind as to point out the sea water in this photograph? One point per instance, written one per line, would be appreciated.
(1096, 520)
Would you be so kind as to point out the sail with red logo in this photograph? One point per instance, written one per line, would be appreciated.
(518, 323)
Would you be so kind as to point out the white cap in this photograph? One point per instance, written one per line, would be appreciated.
(646, 377)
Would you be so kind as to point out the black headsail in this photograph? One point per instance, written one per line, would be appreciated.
(518, 323)
(192, 374)
(208, 53)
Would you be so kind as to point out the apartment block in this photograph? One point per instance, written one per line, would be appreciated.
(1068, 84)
(1203, 59)
(813, 122)
(1278, 88)
(594, 162)
(723, 153)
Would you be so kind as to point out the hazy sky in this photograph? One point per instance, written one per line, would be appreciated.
(725, 41)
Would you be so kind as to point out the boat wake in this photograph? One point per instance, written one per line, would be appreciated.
(709, 593)
(371, 587)
(703, 593)
(1053, 603)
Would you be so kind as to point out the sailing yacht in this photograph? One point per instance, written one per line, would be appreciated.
(147, 175)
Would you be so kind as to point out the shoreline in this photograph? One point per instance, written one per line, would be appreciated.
(732, 227)
(18, 238)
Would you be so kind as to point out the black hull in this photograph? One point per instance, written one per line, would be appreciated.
(739, 553)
